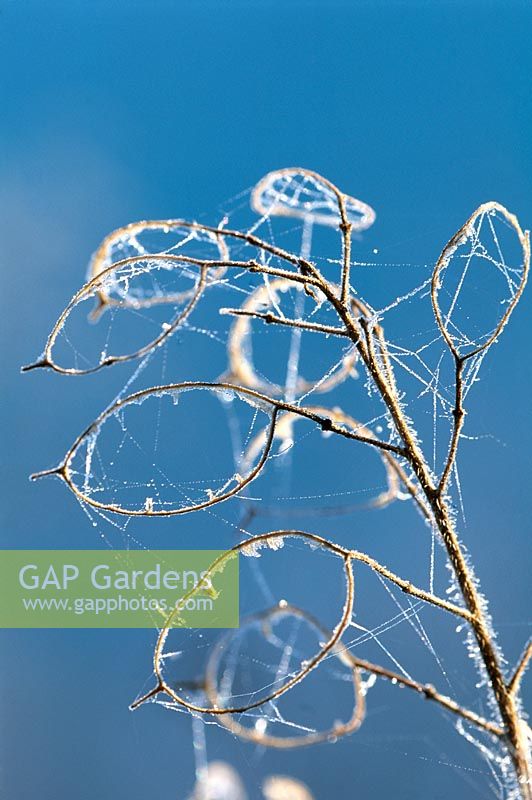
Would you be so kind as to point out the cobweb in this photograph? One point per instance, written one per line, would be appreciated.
(242, 387)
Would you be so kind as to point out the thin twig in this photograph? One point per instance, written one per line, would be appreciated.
(458, 422)
(430, 693)
(289, 323)
(515, 681)
(409, 588)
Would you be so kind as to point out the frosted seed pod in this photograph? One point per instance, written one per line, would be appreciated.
(160, 237)
(284, 431)
(266, 621)
(73, 348)
(300, 193)
(331, 645)
(487, 258)
(242, 369)
(181, 485)
(258, 731)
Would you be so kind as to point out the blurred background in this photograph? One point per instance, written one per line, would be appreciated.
(117, 111)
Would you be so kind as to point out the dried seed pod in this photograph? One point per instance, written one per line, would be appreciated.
(301, 193)
(242, 370)
(81, 354)
(479, 278)
(265, 621)
(166, 236)
(100, 463)
(252, 547)
(284, 433)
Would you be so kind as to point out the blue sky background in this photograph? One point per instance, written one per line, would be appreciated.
(117, 111)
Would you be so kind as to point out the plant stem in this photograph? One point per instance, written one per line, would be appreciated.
(506, 702)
